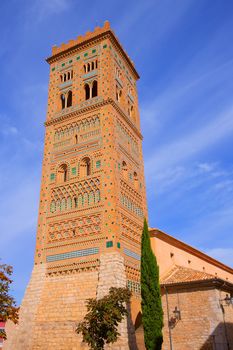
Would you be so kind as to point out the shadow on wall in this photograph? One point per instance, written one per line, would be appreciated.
(221, 338)
(131, 331)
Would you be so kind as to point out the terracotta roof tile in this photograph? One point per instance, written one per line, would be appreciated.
(179, 274)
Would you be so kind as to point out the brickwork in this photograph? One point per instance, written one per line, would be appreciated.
(202, 320)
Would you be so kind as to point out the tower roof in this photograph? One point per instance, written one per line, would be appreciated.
(83, 41)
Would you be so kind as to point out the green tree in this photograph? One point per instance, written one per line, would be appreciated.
(152, 312)
(99, 326)
(8, 309)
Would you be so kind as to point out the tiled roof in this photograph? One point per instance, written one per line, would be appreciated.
(179, 274)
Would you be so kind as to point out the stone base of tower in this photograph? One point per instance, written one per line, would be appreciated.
(52, 306)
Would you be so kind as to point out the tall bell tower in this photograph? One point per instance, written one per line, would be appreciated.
(92, 200)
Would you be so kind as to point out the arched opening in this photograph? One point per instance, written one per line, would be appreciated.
(85, 68)
(94, 89)
(135, 178)
(124, 169)
(120, 94)
(69, 99)
(85, 167)
(87, 91)
(131, 111)
(92, 65)
(88, 67)
(61, 78)
(96, 64)
(62, 173)
(63, 101)
(68, 78)
(75, 202)
(64, 77)
(71, 75)
(76, 139)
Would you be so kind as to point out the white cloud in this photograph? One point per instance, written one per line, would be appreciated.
(9, 130)
(42, 9)
(193, 143)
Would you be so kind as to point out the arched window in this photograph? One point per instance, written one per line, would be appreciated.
(75, 202)
(85, 68)
(88, 67)
(69, 99)
(131, 111)
(64, 77)
(62, 173)
(94, 89)
(76, 139)
(68, 76)
(135, 178)
(124, 169)
(96, 64)
(63, 101)
(87, 91)
(85, 167)
(93, 65)
(61, 77)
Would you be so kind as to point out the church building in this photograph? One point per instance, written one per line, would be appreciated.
(91, 213)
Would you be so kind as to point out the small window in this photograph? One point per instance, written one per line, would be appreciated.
(94, 89)
(69, 99)
(87, 91)
(85, 167)
(124, 169)
(63, 173)
(63, 101)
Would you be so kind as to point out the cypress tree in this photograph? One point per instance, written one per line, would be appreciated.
(152, 313)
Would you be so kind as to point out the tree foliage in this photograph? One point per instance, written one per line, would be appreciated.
(8, 309)
(99, 326)
(152, 313)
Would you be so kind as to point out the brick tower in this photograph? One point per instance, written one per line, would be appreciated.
(92, 201)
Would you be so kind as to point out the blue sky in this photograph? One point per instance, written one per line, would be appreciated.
(184, 54)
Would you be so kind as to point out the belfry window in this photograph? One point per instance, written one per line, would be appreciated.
(94, 89)
(124, 169)
(87, 91)
(69, 99)
(85, 167)
(63, 101)
(63, 173)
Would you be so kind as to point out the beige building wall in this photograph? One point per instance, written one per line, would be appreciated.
(170, 251)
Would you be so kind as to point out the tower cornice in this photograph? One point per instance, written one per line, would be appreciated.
(87, 40)
(97, 105)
